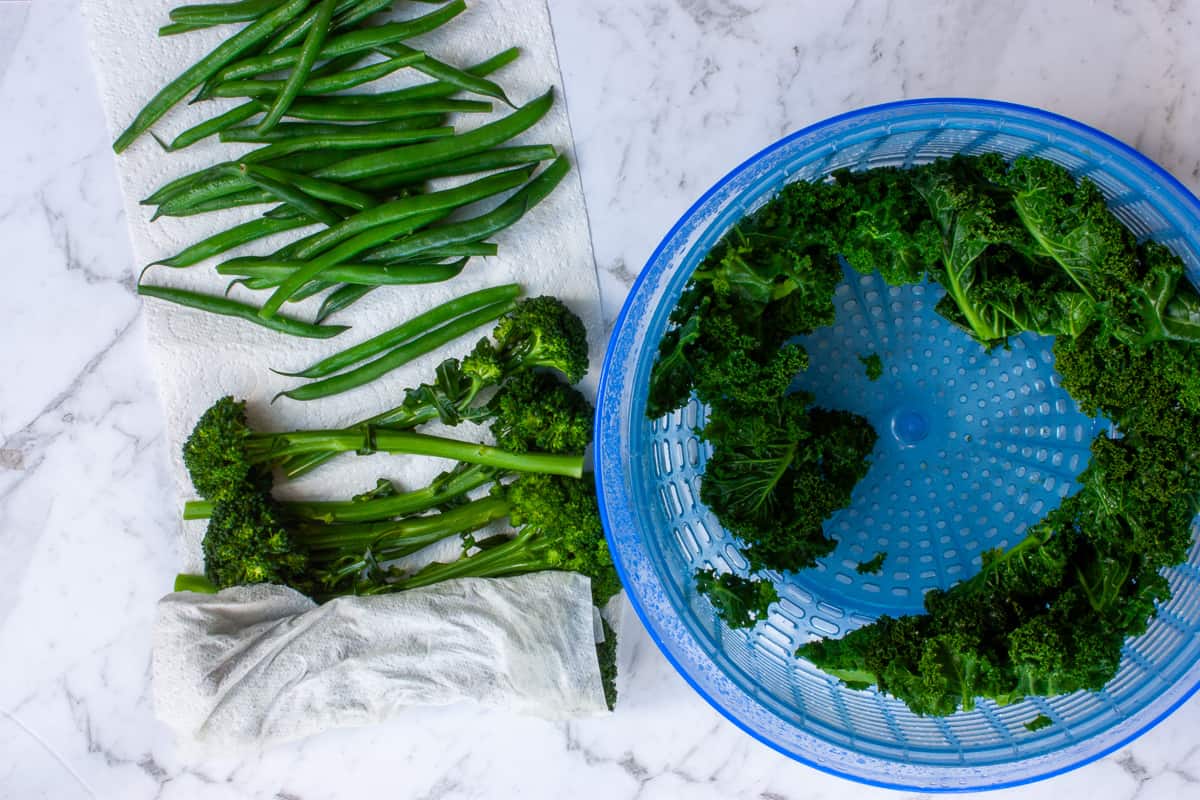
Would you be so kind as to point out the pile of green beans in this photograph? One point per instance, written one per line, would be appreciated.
(347, 169)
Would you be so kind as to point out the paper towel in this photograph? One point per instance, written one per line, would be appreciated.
(199, 357)
(261, 664)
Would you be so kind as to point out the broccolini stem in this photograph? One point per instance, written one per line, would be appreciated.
(271, 447)
(194, 583)
(408, 534)
(515, 557)
(376, 509)
(398, 504)
(398, 418)
(197, 509)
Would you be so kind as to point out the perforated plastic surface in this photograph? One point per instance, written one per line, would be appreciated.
(974, 447)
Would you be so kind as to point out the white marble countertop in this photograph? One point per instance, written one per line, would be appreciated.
(665, 96)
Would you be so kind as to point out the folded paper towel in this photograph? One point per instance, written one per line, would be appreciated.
(264, 663)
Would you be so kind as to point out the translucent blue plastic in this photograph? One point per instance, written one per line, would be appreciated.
(974, 447)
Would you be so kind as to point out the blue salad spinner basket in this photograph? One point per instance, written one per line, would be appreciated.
(974, 447)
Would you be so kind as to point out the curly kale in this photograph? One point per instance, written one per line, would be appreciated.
(741, 602)
(981, 238)
(1038, 722)
(754, 292)
(873, 365)
(1072, 224)
(1037, 620)
(889, 231)
(1017, 247)
(778, 470)
(873, 565)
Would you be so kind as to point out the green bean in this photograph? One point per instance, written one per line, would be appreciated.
(482, 138)
(309, 244)
(180, 204)
(311, 161)
(295, 32)
(346, 251)
(445, 88)
(323, 84)
(359, 11)
(217, 124)
(401, 355)
(386, 212)
(250, 283)
(427, 267)
(353, 42)
(303, 67)
(408, 330)
(328, 67)
(213, 189)
(496, 158)
(281, 212)
(449, 74)
(228, 239)
(323, 111)
(342, 298)
(257, 284)
(177, 185)
(475, 229)
(206, 67)
(269, 274)
(347, 140)
(313, 287)
(300, 162)
(288, 130)
(222, 13)
(232, 308)
(314, 187)
(336, 65)
(435, 89)
(311, 207)
(341, 253)
(245, 197)
(176, 28)
(467, 249)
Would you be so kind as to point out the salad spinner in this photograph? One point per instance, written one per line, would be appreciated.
(974, 447)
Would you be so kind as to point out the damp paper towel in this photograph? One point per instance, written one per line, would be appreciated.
(199, 357)
(261, 664)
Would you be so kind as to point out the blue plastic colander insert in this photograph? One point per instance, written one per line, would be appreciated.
(974, 447)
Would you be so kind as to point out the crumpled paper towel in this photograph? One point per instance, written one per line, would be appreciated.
(199, 357)
(261, 664)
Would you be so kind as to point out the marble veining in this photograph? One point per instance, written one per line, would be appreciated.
(664, 97)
